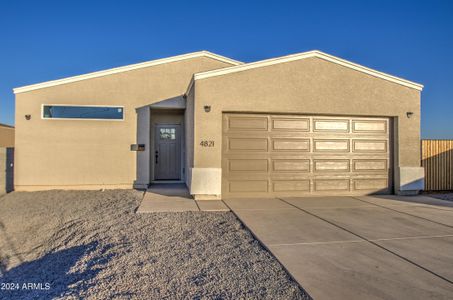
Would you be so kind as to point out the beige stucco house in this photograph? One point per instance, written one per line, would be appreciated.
(303, 124)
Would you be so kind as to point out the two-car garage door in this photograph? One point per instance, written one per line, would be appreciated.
(287, 155)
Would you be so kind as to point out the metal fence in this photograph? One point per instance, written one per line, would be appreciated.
(437, 159)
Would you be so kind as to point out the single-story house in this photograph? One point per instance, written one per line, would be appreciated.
(303, 124)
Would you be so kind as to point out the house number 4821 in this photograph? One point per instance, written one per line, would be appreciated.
(207, 143)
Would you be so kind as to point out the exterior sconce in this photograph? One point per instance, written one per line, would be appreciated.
(207, 108)
(409, 114)
(27, 117)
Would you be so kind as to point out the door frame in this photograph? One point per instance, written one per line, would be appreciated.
(180, 130)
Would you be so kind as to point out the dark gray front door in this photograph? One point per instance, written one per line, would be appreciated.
(167, 155)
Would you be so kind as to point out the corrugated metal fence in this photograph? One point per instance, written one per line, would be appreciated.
(437, 159)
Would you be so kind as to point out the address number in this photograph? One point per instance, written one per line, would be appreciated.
(207, 143)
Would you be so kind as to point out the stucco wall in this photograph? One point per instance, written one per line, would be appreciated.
(84, 154)
(189, 134)
(6, 136)
(308, 86)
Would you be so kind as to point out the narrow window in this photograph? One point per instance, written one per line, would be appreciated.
(83, 112)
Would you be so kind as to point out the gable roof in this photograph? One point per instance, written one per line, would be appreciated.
(299, 56)
(203, 53)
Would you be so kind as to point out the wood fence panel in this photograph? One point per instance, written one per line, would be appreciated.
(437, 159)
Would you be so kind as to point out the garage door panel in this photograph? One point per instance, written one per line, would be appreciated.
(331, 145)
(252, 123)
(330, 125)
(370, 184)
(290, 124)
(248, 165)
(247, 144)
(369, 126)
(331, 185)
(369, 146)
(248, 186)
(291, 186)
(331, 165)
(369, 165)
(304, 155)
(290, 144)
(291, 165)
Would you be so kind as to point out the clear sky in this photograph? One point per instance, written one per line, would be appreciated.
(46, 40)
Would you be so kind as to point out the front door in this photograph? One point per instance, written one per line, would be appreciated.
(167, 154)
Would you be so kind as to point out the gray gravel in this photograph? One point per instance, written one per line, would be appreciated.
(91, 244)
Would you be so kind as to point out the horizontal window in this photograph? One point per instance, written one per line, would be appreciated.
(83, 112)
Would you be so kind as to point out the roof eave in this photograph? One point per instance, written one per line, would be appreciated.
(102, 73)
(299, 56)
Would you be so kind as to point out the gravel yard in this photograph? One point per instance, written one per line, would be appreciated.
(442, 196)
(91, 244)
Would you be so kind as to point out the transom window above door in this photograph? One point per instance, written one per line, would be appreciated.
(167, 133)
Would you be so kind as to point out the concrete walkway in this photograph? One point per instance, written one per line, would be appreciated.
(358, 247)
(175, 198)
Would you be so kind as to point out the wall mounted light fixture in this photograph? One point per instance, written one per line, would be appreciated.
(27, 117)
(207, 108)
(409, 114)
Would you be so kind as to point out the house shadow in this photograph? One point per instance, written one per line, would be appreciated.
(437, 181)
(51, 276)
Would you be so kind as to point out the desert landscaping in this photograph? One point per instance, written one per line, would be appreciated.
(92, 244)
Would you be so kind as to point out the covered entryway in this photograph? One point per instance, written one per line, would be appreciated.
(167, 146)
(267, 155)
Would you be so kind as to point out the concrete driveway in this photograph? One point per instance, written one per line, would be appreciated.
(367, 247)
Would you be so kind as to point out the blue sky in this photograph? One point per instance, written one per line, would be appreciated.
(45, 40)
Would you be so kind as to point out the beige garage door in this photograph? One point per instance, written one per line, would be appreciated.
(287, 155)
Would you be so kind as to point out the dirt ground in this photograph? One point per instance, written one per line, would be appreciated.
(91, 244)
